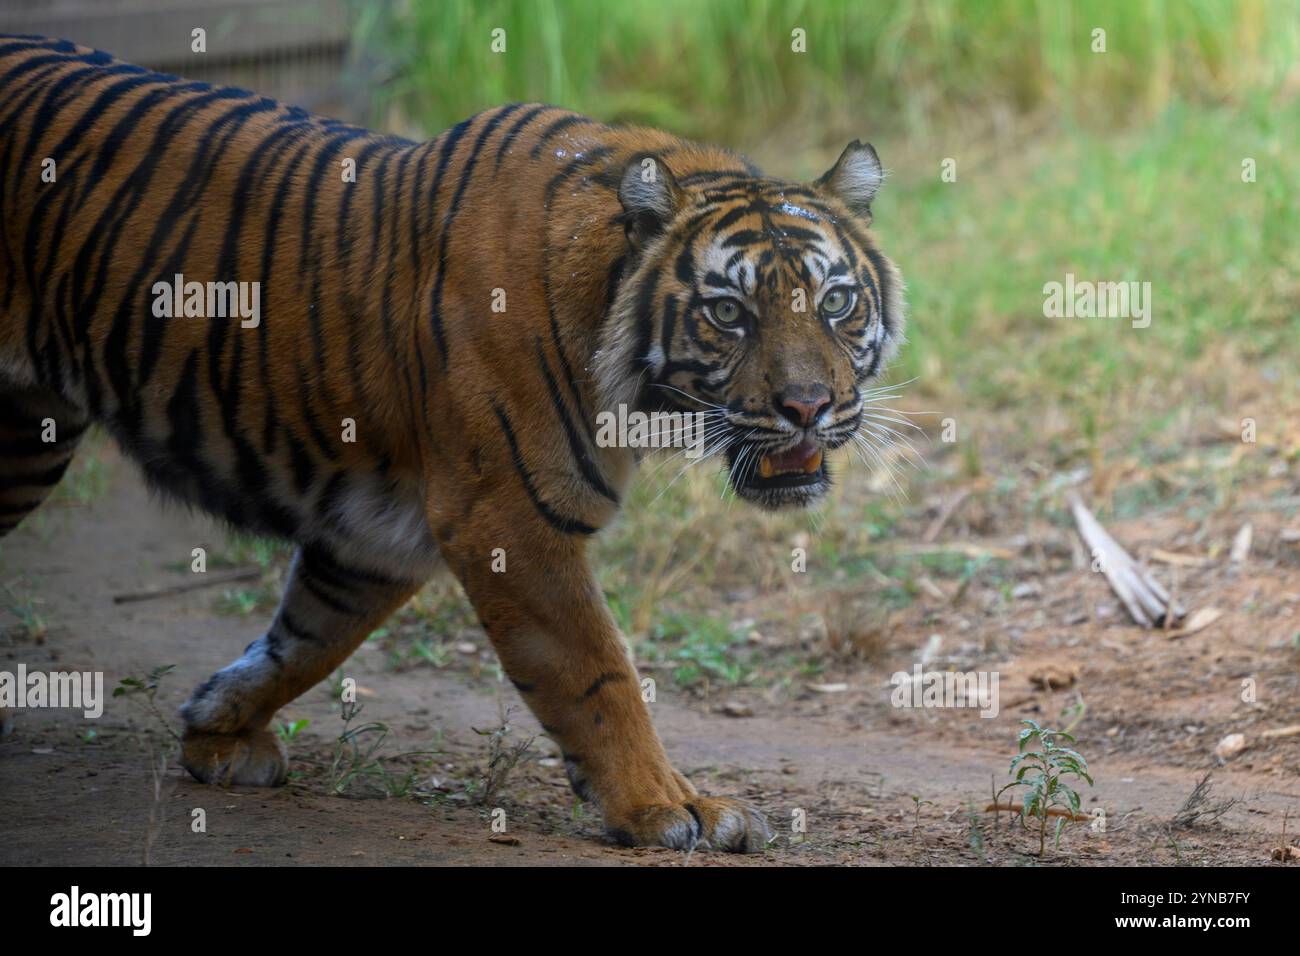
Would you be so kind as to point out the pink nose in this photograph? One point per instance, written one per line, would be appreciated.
(801, 404)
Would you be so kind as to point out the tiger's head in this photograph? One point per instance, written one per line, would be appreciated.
(760, 306)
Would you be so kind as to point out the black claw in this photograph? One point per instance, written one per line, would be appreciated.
(620, 836)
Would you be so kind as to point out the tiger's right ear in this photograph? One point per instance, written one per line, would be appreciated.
(650, 197)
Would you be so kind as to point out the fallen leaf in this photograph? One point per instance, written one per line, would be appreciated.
(1181, 560)
(1052, 677)
(1197, 621)
(504, 839)
(1230, 746)
(930, 588)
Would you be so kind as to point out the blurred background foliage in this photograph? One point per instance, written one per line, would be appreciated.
(724, 69)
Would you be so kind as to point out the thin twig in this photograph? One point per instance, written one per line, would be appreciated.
(203, 581)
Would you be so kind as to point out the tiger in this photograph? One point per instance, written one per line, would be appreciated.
(414, 381)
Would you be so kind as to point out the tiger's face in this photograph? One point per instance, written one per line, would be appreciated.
(764, 308)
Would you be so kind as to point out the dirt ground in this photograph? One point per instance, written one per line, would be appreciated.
(876, 785)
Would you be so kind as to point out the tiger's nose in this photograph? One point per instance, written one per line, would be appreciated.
(801, 404)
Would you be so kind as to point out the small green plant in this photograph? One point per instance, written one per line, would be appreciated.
(240, 602)
(917, 804)
(288, 732)
(975, 836)
(31, 624)
(160, 749)
(358, 770)
(503, 756)
(143, 691)
(422, 650)
(1074, 712)
(1042, 774)
(244, 549)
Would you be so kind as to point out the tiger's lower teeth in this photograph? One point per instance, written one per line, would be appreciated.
(767, 470)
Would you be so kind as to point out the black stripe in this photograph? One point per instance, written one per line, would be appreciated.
(32, 445)
(573, 119)
(516, 129)
(590, 470)
(556, 521)
(329, 600)
(44, 478)
(583, 160)
(321, 562)
(448, 146)
(444, 239)
(296, 630)
(600, 682)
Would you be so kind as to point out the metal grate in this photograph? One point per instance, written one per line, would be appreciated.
(296, 51)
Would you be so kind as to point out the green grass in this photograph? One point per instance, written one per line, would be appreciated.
(726, 69)
(699, 648)
(1165, 205)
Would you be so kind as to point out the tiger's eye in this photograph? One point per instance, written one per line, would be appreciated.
(727, 311)
(836, 302)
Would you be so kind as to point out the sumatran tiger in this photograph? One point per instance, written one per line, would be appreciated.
(409, 349)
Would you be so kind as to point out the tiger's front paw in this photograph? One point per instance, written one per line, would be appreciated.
(714, 823)
(254, 758)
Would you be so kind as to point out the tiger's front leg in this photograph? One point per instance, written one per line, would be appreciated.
(328, 609)
(547, 619)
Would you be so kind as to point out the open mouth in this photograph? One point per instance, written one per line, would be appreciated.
(793, 476)
(797, 465)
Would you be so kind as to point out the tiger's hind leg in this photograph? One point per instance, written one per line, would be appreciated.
(328, 609)
(39, 431)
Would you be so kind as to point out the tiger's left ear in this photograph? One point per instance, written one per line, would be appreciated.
(855, 178)
(650, 197)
